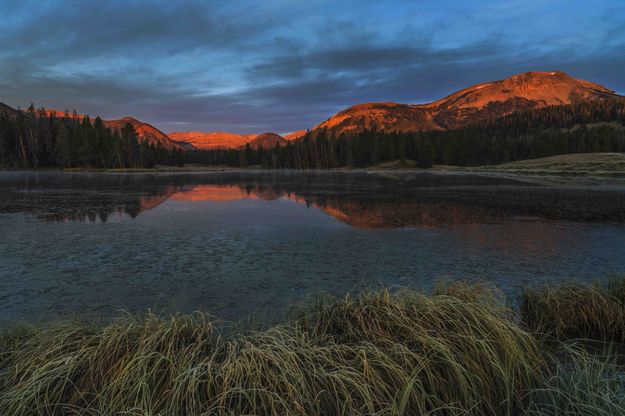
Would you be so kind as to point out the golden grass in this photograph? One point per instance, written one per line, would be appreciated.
(576, 311)
(457, 352)
(460, 351)
(590, 163)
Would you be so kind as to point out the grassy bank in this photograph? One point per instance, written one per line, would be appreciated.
(460, 351)
(590, 164)
(575, 164)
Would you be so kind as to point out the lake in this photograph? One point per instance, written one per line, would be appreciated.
(235, 243)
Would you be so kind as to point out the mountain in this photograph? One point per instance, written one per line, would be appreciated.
(226, 140)
(145, 132)
(212, 140)
(470, 105)
(267, 140)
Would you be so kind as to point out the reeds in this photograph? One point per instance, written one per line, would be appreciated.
(460, 351)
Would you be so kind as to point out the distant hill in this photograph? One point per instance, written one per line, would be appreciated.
(145, 132)
(227, 140)
(482, 101)
(267, 140)
(212, 140)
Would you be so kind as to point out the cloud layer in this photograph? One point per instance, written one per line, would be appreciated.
(283, 65)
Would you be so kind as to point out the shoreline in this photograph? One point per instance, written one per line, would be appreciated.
(584, 165)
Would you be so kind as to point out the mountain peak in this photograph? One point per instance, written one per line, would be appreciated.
(522, 91)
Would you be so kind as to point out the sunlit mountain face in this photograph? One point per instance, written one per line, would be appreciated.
(212, 140)
(225, 140)
(469, 106)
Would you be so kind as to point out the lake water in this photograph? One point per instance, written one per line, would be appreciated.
(239, 242)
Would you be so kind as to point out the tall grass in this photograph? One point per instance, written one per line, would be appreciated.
(584, 324)
(581, 383)
(460, 351)
(402, 354)
(576, 311)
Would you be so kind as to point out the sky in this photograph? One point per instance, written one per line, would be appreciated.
(285, 65)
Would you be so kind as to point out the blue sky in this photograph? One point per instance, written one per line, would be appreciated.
(283, 65)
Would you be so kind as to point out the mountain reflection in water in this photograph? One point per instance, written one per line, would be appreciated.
(361, 200)
(360, 213)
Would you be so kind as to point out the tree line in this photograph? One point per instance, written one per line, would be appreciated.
(37, 139)
(33, 139)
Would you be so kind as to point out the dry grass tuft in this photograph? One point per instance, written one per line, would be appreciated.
(576, 311)
(456, 352)
(460, 351)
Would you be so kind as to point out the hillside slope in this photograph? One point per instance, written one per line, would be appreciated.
(145, 132)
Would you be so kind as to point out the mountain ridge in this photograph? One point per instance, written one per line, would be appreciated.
(476, 103)
(226, 140)
(469, 105)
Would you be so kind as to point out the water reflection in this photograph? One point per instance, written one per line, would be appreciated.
(233, 243)
(360, 200)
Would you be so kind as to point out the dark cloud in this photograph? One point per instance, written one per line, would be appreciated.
(279, 64)
(80, 29)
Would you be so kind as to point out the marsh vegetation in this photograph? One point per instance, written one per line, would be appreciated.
(458, 351)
